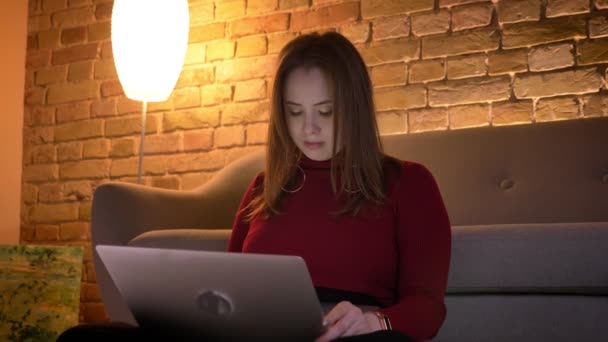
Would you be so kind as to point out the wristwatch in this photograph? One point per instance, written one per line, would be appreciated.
(385, 323)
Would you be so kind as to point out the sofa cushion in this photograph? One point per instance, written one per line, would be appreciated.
(193, 239)
(530, 258)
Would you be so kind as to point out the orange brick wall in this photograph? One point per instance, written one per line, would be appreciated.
(435, 65)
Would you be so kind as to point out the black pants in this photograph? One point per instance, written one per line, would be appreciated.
(118, 332)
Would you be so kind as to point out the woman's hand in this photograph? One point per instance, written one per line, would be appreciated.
(345, 319)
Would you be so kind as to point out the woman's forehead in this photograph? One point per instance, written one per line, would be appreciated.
(307, 87)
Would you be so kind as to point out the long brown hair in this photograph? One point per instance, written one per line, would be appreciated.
(358, 163)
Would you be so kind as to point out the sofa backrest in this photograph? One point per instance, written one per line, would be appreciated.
(542, 172)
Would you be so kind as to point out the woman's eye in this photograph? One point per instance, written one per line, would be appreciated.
(328, 113)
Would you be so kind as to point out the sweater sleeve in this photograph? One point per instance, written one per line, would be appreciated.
(240, 227)
(424, 244)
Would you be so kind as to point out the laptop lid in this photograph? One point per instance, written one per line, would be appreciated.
(216, 294)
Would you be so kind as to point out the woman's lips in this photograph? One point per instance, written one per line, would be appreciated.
(313, 145)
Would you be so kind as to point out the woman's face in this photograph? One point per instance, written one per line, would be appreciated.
(309, 112)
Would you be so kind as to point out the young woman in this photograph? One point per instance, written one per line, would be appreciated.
(373, 230)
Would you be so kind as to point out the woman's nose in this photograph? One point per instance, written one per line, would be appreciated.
(311, 125)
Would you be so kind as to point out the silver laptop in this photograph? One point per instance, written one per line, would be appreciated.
(216, 294)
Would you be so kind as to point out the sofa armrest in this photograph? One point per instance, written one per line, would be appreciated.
(192, 239)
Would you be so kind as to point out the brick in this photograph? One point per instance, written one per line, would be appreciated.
(205, 161)
(170, 182)
(229, 9)
(291, 4)
(32, 42)
(186, 97)
(103, 108)
(34, 96)
(389, 74)
(547, 31)
(69, 151)
(556, 109)
(196, 76)
(73, 17)
(51, 75)
(78, 191)
(192, 181)
(551, 57)
(38, 135)
(392, 122)
(518, 10)
(122, 148)
(229, 136)
(103, 11)
(199, 140)
(322, 16)
(95, 313)
(79, 130)
(595, 105)
(207, 32)
(392, 50)
(257, 25)
(29, 78)
(468, 66)
(375, 8)
(74, 35)
(96, 148)
(556, 8)
(111, 88)
(37, 59)
(507, 113)
(201, 13)
(72, 92)
(277, 41)
(49, 6)
(242, 113)
(592, 51)
(125, 105)
(191, 119)
(50, 39)
(91, 293)
(215, 94)
(47, 213)
(80, 3)
(245, 68)
(74, 231)
(43, 154)
(477, 40)
(469, 90)
(73, 111)
(195, 54)
(85, 169)
(598, 27)
(557, 83)
(256, 133)
(76, 54)
(128, 167)
(250, 90)
(601, 4)
(38, 23)
(81, 71)
(106, 50)
(400, 97)
(220, 50)
(430, 23)
(40, 115)
(99, 31)
(503, 62)
(46, 233)
(168, 143)
(356, 32)
(428, 70)
(427, 119)
(471, 16)
(391, 27)
(261, 6)
(105, 69)
(29, 193)
(251, 46)
(50, 193)
(128, 126)
(475, 115)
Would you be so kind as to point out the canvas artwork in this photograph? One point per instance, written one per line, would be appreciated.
(39, 291)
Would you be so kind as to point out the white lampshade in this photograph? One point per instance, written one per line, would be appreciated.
(149, 42)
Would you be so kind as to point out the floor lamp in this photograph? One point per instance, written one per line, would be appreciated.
(149, 42)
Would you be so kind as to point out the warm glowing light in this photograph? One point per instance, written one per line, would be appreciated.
(149, 42)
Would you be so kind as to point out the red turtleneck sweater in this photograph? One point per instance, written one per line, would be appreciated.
(398, 253)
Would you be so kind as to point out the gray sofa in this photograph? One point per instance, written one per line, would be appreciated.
(529, 211)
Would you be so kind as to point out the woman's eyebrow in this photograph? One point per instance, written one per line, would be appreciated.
(298, 104)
